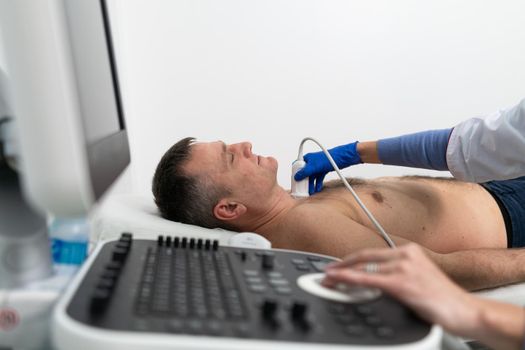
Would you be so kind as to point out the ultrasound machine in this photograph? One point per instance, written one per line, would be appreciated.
(168, 291)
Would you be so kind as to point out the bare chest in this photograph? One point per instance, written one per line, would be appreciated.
(439, 215)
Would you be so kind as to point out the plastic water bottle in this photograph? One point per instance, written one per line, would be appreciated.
(69, 238)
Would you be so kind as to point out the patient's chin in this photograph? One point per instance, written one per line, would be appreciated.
(273, 163)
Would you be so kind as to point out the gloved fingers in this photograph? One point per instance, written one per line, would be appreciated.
(301, 174)
(319, 182)
(316, 163)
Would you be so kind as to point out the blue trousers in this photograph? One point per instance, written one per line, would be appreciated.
(510, 196)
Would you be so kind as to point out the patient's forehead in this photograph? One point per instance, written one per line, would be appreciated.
(205, 156)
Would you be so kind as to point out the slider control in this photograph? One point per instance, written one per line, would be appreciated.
(298, 314)
(269, 311)
(119, 254)
(99, 300)
(268, 260)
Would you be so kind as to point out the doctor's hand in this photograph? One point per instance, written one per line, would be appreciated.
(407, 274)
(318, 165)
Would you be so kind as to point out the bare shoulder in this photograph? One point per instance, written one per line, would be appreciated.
(316, 228)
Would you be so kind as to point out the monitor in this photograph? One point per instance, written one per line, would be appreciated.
(72, 140)
(67, 101)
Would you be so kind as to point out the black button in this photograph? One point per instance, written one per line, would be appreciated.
(195, 326)
(114, 266)
(345, 318)
(160, 240)
(219, 313)
(298, 315)
(199, 243)
(126, 239)
(109, 274)
(319, 265)
(142, 309)
(175, 326)
(123, 245)
(251, 273)
(355, 330)
(274, 274)
(298, 311)
(373, 320)
(242, 330)
(168, 241)
(257, 288)
(119, 254)
(107, 283)
(278, 282)
(254, 280)
(126, 235)
(214, 327)
(283, 290)
(337, 308)
(269, 309)
(385, 332)
(268, 260)
(364, 310)
(302, 267)
(99, 300)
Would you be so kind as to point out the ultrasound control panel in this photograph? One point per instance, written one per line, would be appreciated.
(177, 286)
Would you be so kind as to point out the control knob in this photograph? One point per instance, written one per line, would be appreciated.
(268, 261)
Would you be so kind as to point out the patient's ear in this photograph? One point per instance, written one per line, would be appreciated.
(227, 210)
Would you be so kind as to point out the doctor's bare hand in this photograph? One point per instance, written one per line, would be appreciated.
(409, 275)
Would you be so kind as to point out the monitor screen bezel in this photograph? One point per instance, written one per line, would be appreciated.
(64, 171)
(109, 155)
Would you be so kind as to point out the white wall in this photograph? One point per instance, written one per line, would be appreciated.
(275, 71)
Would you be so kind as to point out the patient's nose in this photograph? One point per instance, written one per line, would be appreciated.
(246, 149)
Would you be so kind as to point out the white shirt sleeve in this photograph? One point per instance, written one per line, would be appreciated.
(491, 148)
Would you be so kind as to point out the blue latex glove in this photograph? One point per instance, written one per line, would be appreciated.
(318, 165)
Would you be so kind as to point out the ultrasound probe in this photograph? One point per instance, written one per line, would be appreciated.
(300, 188)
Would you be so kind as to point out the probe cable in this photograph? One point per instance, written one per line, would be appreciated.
(382, 232)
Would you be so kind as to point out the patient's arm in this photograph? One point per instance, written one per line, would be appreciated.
(326, 231)
(483, 268)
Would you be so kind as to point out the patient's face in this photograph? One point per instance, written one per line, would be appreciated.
(233, 166)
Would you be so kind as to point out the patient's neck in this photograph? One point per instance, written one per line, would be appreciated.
(266, 217)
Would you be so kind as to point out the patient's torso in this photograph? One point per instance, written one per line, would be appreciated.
(441, 214)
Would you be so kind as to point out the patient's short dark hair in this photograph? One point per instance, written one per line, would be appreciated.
(182, 197)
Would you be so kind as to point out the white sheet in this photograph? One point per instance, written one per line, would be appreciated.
(138, 214)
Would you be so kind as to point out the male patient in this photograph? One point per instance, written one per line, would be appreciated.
(464, 227)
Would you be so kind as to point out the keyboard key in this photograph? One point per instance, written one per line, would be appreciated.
(355, 330)
(283, 290)
(313, 258)
(385, 332)
(319, 265)
(278, 282)
(257, 288)
(251, 273)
